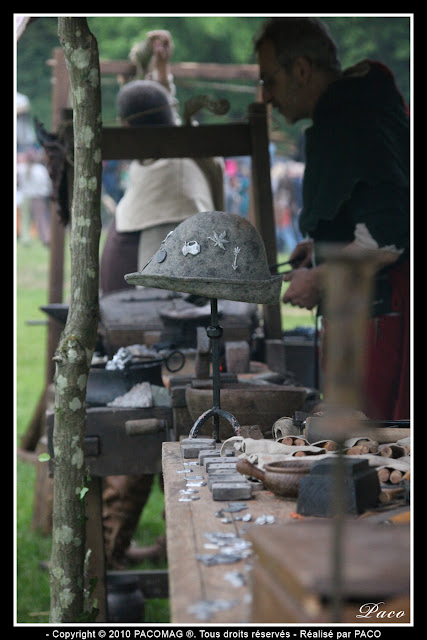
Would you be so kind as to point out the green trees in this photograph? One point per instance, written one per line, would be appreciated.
(224, 39)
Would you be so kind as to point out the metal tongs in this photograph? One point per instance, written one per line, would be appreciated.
(294, 264)
(126, 358)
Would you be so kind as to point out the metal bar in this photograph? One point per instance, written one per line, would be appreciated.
(214, 332)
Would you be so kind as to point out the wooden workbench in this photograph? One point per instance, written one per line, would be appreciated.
(192, 583)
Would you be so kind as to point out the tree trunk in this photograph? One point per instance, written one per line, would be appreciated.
(74, 352)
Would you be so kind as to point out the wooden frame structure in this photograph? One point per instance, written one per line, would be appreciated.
(227, 140)
(239, 139)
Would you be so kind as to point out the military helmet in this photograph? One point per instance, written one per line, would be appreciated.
(213, 254)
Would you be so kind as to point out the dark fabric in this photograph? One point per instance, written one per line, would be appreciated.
(388, 362)
(388, 372)
(357, 152)
(119, 256)
(358, 172)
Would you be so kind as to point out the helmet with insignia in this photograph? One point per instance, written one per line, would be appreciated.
(213, 254)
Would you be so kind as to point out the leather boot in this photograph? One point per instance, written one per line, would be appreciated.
(124, 498)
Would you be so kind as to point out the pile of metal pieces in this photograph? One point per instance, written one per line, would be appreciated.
(223, 479)
(382, 465)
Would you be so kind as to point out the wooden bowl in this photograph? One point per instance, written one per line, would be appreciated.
(282, 477)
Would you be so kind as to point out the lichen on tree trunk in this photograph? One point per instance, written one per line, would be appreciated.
(74, 352)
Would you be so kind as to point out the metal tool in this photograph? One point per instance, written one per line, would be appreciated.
(214, 332)
(292, 263)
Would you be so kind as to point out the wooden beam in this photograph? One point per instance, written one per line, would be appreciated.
(199, 70)
(227, 140)
(215, 71)
(263, 204)
(122, 143)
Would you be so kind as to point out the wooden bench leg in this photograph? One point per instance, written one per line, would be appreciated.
(95, 542)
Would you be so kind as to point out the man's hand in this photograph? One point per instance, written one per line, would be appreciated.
(304, 288)
(302, 255)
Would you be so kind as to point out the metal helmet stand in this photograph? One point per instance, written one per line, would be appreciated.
(214, 332)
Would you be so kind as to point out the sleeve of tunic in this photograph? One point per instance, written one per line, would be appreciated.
(358, 159)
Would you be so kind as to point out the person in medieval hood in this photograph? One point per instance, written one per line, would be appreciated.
(160, 192)
(159, 195)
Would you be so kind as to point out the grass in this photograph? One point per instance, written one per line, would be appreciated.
(32, 546)
(30, 339)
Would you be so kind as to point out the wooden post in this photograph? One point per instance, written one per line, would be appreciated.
(95, 543)
(60, 101)
(263, 204)
(348, 291)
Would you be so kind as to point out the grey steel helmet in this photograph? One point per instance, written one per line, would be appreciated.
(213, 254)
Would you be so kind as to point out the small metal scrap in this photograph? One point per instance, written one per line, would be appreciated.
(210, 559)
(233, 518)
(235, 506)
(162, 253)
(265, 519)
(219, 239)
(205, 609)
(233, 548)
(236, 252)
(192, 248)
(228, 490)
(236, 578)
(241, 546)
(246, 518)
(220, 538)
(225, 510)
(191, 447)
(119, 360)
(146, 265)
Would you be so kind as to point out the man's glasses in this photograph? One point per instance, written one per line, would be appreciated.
(267, 81)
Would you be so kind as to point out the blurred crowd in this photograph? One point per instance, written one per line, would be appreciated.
(286, 184)
(33, 192)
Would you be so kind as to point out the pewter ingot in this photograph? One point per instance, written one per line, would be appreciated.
(231, 263)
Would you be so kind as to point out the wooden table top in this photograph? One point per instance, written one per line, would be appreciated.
(192, 583)
(204, 592)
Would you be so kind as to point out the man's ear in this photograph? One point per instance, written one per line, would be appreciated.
(302, 70)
